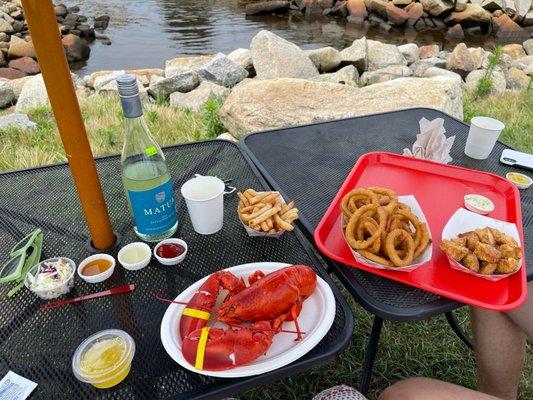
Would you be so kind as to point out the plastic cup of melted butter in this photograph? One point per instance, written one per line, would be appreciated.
(104, 359)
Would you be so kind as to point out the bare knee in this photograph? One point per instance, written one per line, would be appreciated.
(409, 389)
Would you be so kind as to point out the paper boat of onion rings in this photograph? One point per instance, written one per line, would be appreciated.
(423, 258)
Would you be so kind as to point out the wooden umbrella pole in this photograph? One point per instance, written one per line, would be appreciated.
(46, 38)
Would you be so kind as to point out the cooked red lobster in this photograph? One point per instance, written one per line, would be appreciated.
(268, 302)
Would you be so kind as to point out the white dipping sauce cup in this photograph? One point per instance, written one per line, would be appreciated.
(204, 196)
(484, 132)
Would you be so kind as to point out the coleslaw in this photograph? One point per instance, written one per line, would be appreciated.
(51, 278)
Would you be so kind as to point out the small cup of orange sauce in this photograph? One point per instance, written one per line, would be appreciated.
(96, 268)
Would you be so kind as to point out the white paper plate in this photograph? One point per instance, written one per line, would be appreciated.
(316, 318)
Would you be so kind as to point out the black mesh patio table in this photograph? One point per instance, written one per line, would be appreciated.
(39, 344)
(309, 163)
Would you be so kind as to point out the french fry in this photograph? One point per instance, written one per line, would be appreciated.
(271, 198)
(291, 211)
(250, 192)
(287, 207)
(282, 224)
(258, 198)
(243, 198)
(272, 231)
(270, 223)
(247, 209)
(249, 217)
(264, 226)
(265, 215)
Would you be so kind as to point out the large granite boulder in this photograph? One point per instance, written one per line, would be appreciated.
(381, 55)
(27, 65)
(498, 80)
(183, 64)
(517, 79)
(396, 15)
(196, 99)
(514, 50)
(356, 54)
(145, 75)
(429, 51)
(184, 82)
(528, 47)
(18, 84)
(268, 104)
(326, 59)
(222, 71)
(434, 71)
(415, 11)
(507, 30)
(11, 73)
(357, 10)
(275, 57)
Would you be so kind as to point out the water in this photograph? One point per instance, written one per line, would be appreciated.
(146, 33)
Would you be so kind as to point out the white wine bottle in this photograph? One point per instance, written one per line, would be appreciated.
(145, 174)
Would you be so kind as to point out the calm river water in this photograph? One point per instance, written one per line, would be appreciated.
(145, 33)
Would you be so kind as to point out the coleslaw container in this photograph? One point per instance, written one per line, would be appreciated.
(52, 289)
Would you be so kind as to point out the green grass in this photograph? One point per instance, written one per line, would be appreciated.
(104, 123)
(428, 348)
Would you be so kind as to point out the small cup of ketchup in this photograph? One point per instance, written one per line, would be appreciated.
(170, 251)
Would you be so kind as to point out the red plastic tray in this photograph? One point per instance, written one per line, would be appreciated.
(440, 190)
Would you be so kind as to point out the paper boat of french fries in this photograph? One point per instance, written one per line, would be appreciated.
(279, 202)
(423, 258)
(464, 221)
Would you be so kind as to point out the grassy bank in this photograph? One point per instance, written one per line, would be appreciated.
(427, 348)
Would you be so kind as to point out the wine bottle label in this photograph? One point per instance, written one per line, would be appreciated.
(154, 210)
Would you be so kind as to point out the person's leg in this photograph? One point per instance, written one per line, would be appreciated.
(523, 316)
(499, 346)
(430, 389)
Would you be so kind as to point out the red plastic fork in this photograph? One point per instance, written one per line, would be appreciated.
(110, 292)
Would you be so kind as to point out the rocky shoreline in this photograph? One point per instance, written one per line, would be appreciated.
(18, 58)
(510, 20)
(275, 83)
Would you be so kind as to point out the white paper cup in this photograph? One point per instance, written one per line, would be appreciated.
(484, 132)
(204, 196)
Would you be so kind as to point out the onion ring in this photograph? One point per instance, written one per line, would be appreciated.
(424, 241)
(390, 248)
(373, 198)
(369, 225)
(352, 224)
(375, 258)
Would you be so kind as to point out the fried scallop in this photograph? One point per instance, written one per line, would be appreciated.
(487, 268)
(486, 252)
(455, 251)
(506, 265)
(502, 238)
(509, 250)
(461, 241)
(471, 262)
(485, 236)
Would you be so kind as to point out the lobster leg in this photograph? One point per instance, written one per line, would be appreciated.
(255, 277)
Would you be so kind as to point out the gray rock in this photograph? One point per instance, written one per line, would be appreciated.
(18, 84)
(434, 71)
(184, 82)
(385, 74)
(6, 17)
(381, 55)
(263, 7)
(222, 71)
(528, 47)
(517, 79)
(17, 121)
(269, 104)
(498, 80)
(437, 7)
(6, 27)
(275, 57)
(410, 51)
(460, 60)
(356, 54)
(243, 58)
(195, 99)
(7, 96)
(184, 64)
(325, 59)
(60, 10)
(477, 54)
(347, 75)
